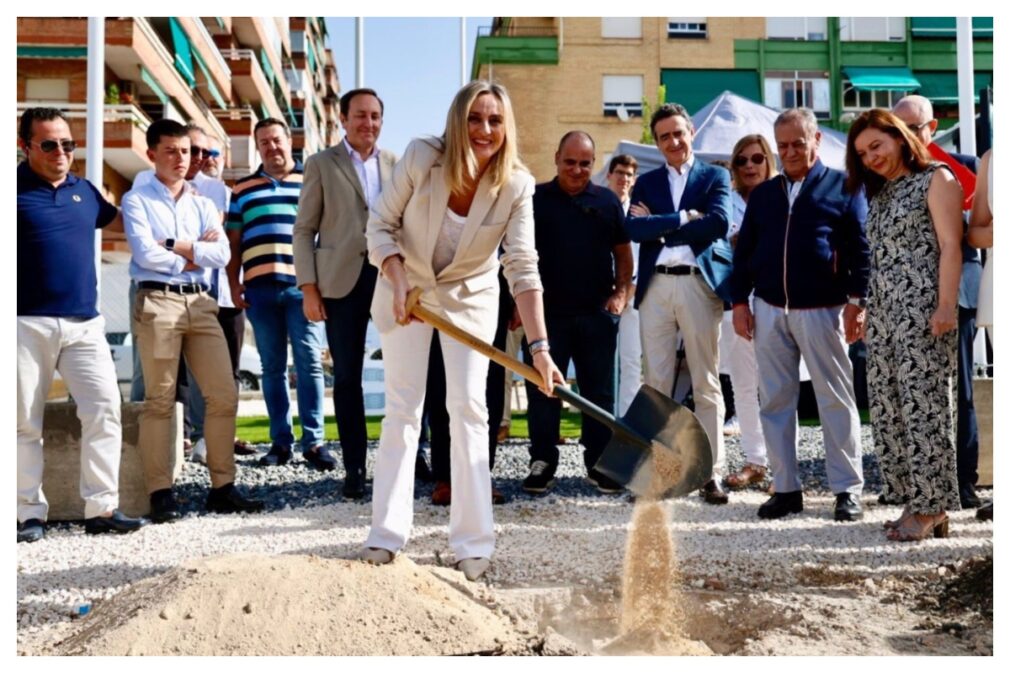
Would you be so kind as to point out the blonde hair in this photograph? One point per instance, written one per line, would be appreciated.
(766, 149)
(460, 161)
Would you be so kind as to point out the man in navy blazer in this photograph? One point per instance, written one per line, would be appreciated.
(680, 215)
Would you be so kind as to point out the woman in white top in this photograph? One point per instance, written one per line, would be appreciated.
(980, 236)
(438, 226)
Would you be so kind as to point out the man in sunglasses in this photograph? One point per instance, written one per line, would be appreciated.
(59, 328)
(212, 159)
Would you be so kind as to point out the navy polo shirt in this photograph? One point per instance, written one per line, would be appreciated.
(56, 245)
(575, 239)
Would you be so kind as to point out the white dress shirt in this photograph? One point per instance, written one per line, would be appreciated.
(634, 246)
(368, 172)
(680, 255)
(151, 214)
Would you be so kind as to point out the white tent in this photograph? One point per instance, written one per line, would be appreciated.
(718, 126)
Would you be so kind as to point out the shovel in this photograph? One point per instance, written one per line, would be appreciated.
(658, 449)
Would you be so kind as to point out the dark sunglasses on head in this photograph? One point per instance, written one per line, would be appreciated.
(214, 154)
(740, 160)
(48, 146)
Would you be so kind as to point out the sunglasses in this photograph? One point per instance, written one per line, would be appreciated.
(915, 128)
(48, 146)
(740, 160)
(213, 154)
(195, 151)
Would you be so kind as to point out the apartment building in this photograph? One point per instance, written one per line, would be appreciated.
(595, 73)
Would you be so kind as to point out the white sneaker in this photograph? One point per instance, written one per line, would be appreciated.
(731, 427)
(199, 454)
(375, 555)
(473, 568)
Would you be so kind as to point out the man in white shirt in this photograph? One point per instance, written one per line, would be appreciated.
(331, 265)
(621, 176)
(176, 238)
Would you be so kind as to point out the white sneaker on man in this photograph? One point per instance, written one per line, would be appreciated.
(473, 568)
(731, 428)
(199, 454)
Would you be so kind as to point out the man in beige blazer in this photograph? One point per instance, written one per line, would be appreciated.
(331, 263)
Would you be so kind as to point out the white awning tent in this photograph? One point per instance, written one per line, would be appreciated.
(718, 126)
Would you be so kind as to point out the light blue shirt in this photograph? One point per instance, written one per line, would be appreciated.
(368, 172)
(151, 214)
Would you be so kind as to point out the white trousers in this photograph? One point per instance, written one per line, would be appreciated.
(738, 354)
(688, 305)
(471, 524)
(629, 349)
(77, 349)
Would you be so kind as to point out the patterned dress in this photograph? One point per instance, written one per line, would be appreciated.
(911, 373)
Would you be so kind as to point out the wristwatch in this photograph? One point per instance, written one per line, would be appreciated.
(858, 301)
(169, 244)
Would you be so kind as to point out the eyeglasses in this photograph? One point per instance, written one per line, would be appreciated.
(740, 160)
(213, 154)
(915, 128)
(47, 146)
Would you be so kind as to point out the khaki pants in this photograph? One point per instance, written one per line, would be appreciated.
(167, 325)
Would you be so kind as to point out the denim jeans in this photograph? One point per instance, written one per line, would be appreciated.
(275, 311)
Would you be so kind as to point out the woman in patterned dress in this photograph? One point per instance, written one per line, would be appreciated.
(914, 227)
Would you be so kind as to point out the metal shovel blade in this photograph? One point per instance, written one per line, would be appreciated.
(677, 459)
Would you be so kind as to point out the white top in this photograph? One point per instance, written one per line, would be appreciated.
(151, 214)
(739, 207)
(794, 191)
(220, 194)
(368, 172)
(680, 255)
(448, 240)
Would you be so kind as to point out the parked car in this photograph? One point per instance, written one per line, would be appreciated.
(121, 344)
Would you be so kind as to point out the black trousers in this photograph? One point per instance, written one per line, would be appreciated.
(967, 424)
(434, 395)
(346, 325)
(232, 322)
(589, 341)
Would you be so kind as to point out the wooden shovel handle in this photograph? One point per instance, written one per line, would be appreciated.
(442, 325)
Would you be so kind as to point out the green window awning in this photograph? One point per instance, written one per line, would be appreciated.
(183, 51)
(51, 51)
(946, 26)
(149, 80)
(208, 81)
(694, 89)
(941, 87)
(881, 79)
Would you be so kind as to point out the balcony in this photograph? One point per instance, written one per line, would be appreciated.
(262, 36)
(513, 44)
(125, 147)
(249, 81)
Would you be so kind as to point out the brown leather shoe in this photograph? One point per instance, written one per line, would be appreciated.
(713, 494)
(750, 474)
(503, 432)
(242, 448)
(442, 495)
(497, 497)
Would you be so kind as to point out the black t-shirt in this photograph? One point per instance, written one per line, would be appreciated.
(575, 239)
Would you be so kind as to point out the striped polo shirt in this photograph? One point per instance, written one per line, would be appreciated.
(264, 210)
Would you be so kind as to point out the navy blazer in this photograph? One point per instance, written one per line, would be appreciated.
(707, 191)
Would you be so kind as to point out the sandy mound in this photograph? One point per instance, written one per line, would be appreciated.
(303, 605)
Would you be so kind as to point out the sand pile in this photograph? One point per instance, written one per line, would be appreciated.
(301, 605)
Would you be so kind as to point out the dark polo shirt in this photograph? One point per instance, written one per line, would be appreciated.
(56, 245)
(575, 239)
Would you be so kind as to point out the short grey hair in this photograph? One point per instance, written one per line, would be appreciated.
(805, 116)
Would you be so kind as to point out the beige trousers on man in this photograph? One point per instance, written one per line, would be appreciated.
(167, 325)
(687, 304)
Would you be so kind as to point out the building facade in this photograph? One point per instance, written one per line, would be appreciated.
(598, 74)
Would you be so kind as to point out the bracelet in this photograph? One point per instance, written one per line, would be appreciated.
(539, 345)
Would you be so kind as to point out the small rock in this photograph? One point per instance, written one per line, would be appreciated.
(165, 613)
(247, 608)
(870, 585)
(941, 571)
(714, 584)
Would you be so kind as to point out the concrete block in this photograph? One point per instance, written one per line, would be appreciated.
(983, 411)
(61, 448)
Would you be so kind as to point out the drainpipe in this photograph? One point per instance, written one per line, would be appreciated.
(966, 85)
(359, 63)
(95, 136)
(462, 52)
(835, 70)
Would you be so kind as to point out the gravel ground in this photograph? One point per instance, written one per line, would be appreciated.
(571, 537)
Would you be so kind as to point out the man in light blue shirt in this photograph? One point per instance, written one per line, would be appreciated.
(176, 239)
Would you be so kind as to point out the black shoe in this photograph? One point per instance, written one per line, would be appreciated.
(277, 456)
(117, 523)
(713, 493)
(968, 497)
(781, 504)
(540, 478)
(603, 483)
(354, 485)
(422, 472)
(32, 530)
(228, 500)
(983, 513)
(320, 458)
(164, 508)
(847, 507)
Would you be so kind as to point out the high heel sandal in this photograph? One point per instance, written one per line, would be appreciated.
(938, 527)
(895, 523)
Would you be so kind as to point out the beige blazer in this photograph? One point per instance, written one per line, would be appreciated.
(332, 205)
(407, 219)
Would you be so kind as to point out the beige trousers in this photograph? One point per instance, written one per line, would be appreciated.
(167, 325)
(687, 304)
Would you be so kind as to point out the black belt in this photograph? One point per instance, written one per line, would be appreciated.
(188, 288)
(681, 270)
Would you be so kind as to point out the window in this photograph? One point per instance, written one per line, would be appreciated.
(799, 89)
(687, 26)
(622, 91)
(854, 99)
(621, 26)
(797, 27)
(872, 28)
(57, 90)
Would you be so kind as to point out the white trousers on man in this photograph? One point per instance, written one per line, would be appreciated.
(741, 364)
(629, 349)
(688, 304)
(77, 349)
(471, 523)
